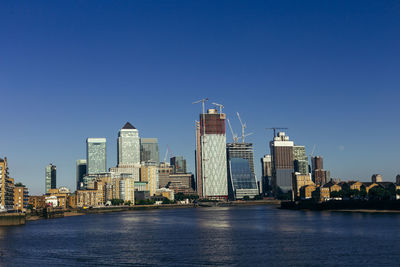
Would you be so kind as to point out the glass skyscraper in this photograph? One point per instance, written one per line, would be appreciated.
(96, 155)
(81, 169)
(241, 179)
(128, 145)
(179, 164)
(149, 150)
(51, 177)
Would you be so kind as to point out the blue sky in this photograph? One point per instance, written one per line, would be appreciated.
(327, 70)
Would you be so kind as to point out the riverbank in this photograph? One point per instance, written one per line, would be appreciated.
(100, 210)
(8, 219)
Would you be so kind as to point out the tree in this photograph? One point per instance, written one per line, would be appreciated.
(19, 184)
(128, 203)
(117, 202)
(335, 194)
(376, 192)
(166, 201)
(246, 198)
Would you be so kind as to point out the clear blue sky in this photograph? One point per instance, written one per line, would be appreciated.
(328, 70)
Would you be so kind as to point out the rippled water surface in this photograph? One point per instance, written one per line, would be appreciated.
(241, 236)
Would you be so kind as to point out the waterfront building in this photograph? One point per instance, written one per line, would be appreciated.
(128, 145)
(96, 155)
(332, 186)
(81, 170)
(6, 186)
(149, 150)
(20, 197)
(282, 163)
(179, 164)
(87, 198)
(211, 162)
(306, 191)
(355, 185)
(298, 181)
(164, 172)
(59, 197)
(165, 192)
(376, 178)
(369, 185)
(319, 175)
(127, 190)
(37, 202)
(241, 181)
(300, 159)
(266, 172)
(321, 193)
(51, 177)
(149, 174)
(243, 151)
(126, 169)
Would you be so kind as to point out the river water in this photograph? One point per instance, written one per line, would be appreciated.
(232, 236)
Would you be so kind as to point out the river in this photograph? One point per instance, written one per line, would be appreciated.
(231, 236)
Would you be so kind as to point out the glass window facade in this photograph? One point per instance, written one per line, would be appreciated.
(96, 155)
(149, 150)
(241, 174)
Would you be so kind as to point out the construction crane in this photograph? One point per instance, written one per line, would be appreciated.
(243, 128)
(234, 136)
(276, 128)
(166, 154)
(201, 101)
(220, 107)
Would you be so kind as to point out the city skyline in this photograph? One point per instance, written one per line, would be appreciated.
(327, 71)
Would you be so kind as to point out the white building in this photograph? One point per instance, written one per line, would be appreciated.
(127, 189)
(128, 145)
(96, 155)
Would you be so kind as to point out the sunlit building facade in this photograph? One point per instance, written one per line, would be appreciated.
(128, 145)
(96, 155)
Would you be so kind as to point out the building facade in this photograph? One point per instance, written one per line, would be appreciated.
(300, 159)
(149, 174)
(6, 187)
(81, 170)
(21, 198)
(128, 145)
(242, 181)
(266, 172)
(282, 163)
(149, 150)
(213, 182)
(96, 155)
(179, 164)
(127, 190)
(51, 177)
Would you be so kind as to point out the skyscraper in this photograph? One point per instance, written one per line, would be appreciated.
(128, 145)
(149, 150)
(81, 170)
(96, 155)
(300, 159)
(51, 177)
(319, 175)
(211, 155)
(282, 163)
(179, 164)
(241, 177)
(266, 172)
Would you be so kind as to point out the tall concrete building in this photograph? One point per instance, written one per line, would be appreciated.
(179, 164)
(96, 155)
(211, 163)
(282, 163)
(128, 145)
(300, 159)
(149, 174)
(241, 177)
(6, 187)
(51, 177)
(81, 170)
(149, 150)
(266, 172)
(319, 175)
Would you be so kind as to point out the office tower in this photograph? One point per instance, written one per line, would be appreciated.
(164, 172)
(282, 163)
(128, 145)
(179, 164)
(149, 174)
(241, 177)
(300, 159)
(198, 162)
(376, 178)
(51, 177)
(319, 175)
(149, 150)
(6, 187)
(96, 155)
(81, 170)
(266, 172)
(211, 155)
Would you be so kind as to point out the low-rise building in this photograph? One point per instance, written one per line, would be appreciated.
(306, 191)
(298, 181)
(321, 193)
(369, 185)
(165, 192)
(20, 197)
(37, 202)
(87, 198)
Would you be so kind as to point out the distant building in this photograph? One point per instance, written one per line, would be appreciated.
(96, 155)
(128, 145)
(149, 174)
(300, 159)
(126, 169)
(266, 172)
(300, 180)
(37, 202)
(319, 175)
(127, 190)
(149, 150)
(6, 186)
(376, 178)
(211, 162)
(241, 177)
(81, 170)
(51, 177)
(282, 163)
(21, 195)
(165, 170)
(179, 164)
